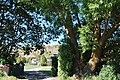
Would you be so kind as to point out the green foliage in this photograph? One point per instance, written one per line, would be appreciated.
(1, 74)
(2, 60)
(12, 32)
(65, 61)
(107, 73)
(114, 58)
(64, 76)
(43, 60)
(27, 60)
(90, 77)
(85, 35)
(8, 78)
(110, 71)
(96, 9)
(54, 68)
(35, 15)
(6, 58)
(19, 59)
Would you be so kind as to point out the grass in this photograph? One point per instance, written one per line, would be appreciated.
(27, 66)
(44, 68)
(8, 78)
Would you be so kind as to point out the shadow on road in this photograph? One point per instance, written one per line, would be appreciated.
(37, 75)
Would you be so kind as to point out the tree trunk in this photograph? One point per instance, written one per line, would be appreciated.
(71, 35)
(95, 58)
(96, 55)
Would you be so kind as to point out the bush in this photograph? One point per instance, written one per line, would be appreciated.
(54, 69)
(107, 73)
(27, 60)
(43, 60)
(19, 59)
(115, 59)
(90, 77)
(49, 63)
(65, 61)
(1, 74)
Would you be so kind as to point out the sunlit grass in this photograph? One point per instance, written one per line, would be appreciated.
(44, 68)
(27, 66)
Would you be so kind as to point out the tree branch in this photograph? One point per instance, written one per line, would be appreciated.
(60, 16)
(110, 47)
(106, 35)
(106, 23)
(79, 24)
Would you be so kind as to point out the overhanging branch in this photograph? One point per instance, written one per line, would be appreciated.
(112, 46)
(106, 35)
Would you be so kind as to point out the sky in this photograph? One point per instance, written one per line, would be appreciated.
(56, 42)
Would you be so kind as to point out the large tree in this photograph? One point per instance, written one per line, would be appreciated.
(102, 17)
(62, 15)
(104, 20)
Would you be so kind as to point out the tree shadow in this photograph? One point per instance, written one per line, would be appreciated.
(37, 75)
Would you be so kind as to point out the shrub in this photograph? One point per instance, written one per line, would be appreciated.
(65, 61)
(90, 77)
(43, 60)
(115, 59)
(27, 60)
(19, 59)
(54, 69)
(49, 63)
(107, 73)
(1, 74)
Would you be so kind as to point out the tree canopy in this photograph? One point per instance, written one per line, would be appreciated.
(91, 24)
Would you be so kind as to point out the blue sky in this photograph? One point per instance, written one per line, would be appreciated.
(56, 42)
